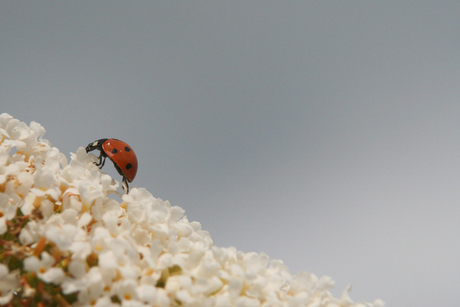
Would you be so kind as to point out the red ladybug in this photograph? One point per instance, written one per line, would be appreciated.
(122, 155)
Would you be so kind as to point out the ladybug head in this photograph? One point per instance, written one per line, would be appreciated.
(95, 145)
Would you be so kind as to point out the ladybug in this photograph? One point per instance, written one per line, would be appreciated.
(122, 155)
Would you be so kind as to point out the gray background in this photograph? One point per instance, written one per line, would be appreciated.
(323, 133)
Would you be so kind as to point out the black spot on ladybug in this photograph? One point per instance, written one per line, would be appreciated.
(129, 165)
(127, 148)
(114, 151)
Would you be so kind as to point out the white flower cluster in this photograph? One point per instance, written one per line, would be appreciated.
(77, 247)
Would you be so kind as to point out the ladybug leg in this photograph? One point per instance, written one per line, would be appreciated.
(101, 162)
(125, 185)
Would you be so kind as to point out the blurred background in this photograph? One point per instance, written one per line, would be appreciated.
(322, 133)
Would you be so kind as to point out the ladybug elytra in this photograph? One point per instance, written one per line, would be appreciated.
(122, 155)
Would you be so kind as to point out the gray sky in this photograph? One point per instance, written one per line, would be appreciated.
(323, 133)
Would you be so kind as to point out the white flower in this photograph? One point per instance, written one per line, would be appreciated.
(43, 268)
(103, 301)
(61, 235)
(7, 211)
(45, 184)
(146, 293)
(30, 233)
(3, 227)
(125, 289)
(9, 282)
(140, 252)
